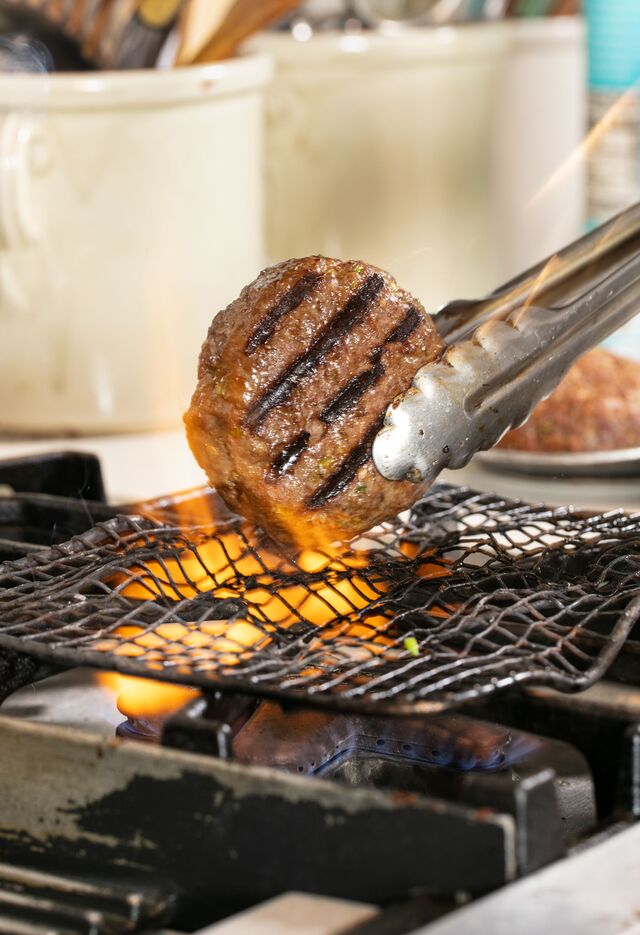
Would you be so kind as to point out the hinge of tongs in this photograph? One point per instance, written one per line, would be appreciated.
(509, 351)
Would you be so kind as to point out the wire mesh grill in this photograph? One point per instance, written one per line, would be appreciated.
(467, 594)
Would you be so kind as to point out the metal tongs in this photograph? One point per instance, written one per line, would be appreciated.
(509, 351)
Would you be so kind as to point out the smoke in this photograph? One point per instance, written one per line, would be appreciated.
(20, 53)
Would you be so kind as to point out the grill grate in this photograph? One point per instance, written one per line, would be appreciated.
(467, 594)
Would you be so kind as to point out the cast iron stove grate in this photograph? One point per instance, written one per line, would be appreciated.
(467, 594)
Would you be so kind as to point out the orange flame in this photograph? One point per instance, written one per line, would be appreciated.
(225, 558)
(144, 698)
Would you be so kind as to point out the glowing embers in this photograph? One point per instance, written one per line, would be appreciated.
(231, 593)
(176, 643)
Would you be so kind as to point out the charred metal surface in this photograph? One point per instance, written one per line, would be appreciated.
(228, 835)
(56, 495)
(28, 522)
(626, 665)
(603, 724)
(37, 902)
(630, 772)
(18, 670)
(61, 474)
(207, 724)
(40, 519)
(544, 785)
(552, 805)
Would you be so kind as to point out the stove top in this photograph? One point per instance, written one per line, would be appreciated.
(205, 811)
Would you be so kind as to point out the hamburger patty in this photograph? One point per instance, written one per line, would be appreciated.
(595, 408)
(294, 380)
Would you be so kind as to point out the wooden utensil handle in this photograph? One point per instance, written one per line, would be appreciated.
(245, 18)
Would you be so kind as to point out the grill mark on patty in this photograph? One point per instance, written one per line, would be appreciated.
(406, 327)
(287, 458)
(357, 386)
(349, 395)
(341, 478)
(352, 312)
(353, 391)
(285, 304)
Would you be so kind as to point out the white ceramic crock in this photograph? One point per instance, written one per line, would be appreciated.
(381, 148)
(130, 213)
(540, 159)
(450, 156)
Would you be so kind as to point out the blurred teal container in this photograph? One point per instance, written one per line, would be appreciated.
(614, 123)
(614, 44)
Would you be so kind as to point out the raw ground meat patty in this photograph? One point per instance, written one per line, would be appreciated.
(293, 383)
(595, 408)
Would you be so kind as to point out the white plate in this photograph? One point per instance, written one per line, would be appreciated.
(623, 462)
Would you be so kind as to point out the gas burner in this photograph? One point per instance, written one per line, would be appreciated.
(317, 743)
(140, 728)
(454, 757)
